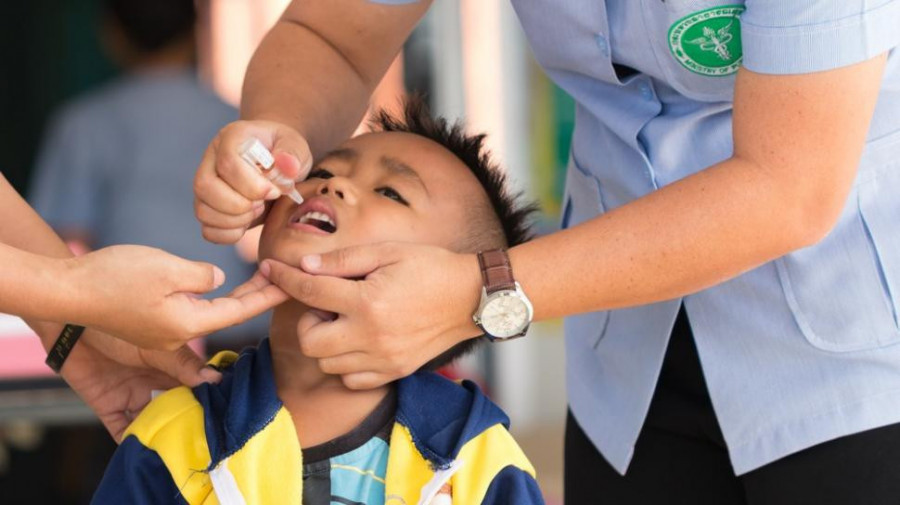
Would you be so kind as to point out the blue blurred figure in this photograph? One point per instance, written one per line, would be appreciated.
(117, 164)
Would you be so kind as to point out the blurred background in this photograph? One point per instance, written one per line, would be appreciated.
(105, 112)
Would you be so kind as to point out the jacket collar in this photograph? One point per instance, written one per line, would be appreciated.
(440, 415)
(242, 404)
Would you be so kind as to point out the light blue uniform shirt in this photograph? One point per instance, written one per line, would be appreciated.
(120, 161)
(796, 352)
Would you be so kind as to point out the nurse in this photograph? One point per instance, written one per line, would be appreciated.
(729, 265)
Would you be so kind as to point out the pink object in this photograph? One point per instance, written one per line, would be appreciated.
(21, 353)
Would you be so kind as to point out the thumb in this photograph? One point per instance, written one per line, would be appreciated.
(350, 262)
(183, 365)
(196, 277)
(292, 156)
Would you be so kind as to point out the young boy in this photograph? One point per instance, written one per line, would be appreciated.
(421, 440)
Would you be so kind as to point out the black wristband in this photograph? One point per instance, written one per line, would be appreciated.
(63, 346)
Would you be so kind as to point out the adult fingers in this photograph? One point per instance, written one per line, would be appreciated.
(115, 423)
(357, 261)
(366, 380)
(355, 363)
(211, 189)
(329, 339)
(187, 276)
(322, 292)
(312, 318)
(211, 315)
(216, 204)
(292, 155)
(183, 365)
(234, 170)
(257, 295)
(347, 363)
(222, 235)
(217, 219)
(255, 283)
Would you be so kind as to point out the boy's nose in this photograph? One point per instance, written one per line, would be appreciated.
(338, 188)
(324, 191)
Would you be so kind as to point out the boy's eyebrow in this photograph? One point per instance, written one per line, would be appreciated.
(343, 153)
(392, 165)
(397, 167)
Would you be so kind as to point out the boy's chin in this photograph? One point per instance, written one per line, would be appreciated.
(291, 255)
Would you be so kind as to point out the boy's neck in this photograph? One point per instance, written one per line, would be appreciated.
(321, 406)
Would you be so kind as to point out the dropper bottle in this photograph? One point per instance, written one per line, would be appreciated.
(255, 153)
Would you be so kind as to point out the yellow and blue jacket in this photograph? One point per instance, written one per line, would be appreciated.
(235, 443)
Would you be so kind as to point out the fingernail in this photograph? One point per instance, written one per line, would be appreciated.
(265, 267)
(311, 262)
(210, 375)
(218, 276)
(273, 194)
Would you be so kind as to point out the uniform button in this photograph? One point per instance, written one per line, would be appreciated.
(603, 44)
(646, 92)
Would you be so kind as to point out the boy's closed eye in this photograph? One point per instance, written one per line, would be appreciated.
(319, 173)
(386, 191)
(391, 193)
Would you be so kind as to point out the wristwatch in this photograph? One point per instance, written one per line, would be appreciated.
(504, 312)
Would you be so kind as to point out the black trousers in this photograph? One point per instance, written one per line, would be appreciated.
(681, 458)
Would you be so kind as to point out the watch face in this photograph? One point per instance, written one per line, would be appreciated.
(505, 316)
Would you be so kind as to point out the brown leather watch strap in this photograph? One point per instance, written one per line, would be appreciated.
(496, 271)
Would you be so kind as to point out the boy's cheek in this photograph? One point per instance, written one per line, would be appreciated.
(278, 212)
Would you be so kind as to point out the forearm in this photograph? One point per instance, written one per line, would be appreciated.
(24, 229)
(688, 236)
(797, 144)
(24, 291)
(324, 101)
(317, 67)
(27, 242)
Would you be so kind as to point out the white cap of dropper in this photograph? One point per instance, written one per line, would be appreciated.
(255, 153)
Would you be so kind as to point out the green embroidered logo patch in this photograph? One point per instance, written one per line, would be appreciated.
(708, 42)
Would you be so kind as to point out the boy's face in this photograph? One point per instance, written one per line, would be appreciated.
(374, 188)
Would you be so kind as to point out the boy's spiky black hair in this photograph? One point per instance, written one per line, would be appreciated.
(511, 220)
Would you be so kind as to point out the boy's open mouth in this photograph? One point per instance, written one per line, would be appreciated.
(316, 219)
(315, 213)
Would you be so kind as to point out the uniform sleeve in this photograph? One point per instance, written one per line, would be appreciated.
(513, 486)
(66, 187)
(803, 36)
(136, 475)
